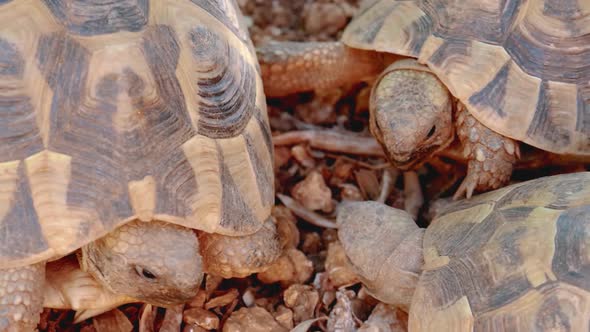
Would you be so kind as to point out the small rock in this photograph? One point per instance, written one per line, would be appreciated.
(284, 316)
(341, 317)
(202, 318)
(293, 267)
(302, 299)
(248, 297)
(313, 193)
(338, 266)
(253, 319)
(300, 153)
(350, 192)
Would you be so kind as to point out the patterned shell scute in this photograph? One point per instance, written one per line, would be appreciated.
(522, 68)
(514, 259)
(119, 110)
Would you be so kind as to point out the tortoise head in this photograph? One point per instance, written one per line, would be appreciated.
(384, 246)
(410, 114)
(155, 262)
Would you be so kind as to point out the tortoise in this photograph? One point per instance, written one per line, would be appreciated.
(133, 133)
(512, 259)
(493, 72)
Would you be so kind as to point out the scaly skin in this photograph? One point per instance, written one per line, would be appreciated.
(290, 67)
(156, 262)
(21, 297)
(490, 155)
(240, 256)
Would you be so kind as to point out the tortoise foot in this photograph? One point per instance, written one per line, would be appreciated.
(21, 300)
(491, 156)
(240, 256)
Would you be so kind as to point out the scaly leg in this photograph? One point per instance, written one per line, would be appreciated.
(490, 155)
(290, 67)
(240, 256)
(21, 297)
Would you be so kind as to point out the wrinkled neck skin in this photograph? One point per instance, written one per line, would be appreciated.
(154, 262)
(411, 114)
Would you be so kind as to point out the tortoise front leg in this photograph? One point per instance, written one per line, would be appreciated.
(490, 155)
(240, 256)
(21, 297)
(290, 67)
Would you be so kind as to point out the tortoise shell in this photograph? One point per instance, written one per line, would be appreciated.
(112, 111)
(515, 259)
(522, 68)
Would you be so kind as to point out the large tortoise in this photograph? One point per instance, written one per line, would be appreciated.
(126, 126)
(520, 68)
(513, 259)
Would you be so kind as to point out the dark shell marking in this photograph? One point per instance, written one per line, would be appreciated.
(532, 243)
(71, 151)
(95, 17)
(226, 82)
(456, 38)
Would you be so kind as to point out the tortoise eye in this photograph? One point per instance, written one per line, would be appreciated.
(145, 273)
(431, 132)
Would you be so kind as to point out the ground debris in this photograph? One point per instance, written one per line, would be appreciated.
(253, 319)
(385, 318)
(302, 299)
(291, 268)
(313, 193)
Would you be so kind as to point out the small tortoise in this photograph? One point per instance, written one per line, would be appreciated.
(521, 69)
(513, 259)
(137, 132)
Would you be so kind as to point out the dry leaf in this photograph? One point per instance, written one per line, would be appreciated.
(112, 321)
(253, 319)
(223, 300)
(147, 318)
(368, 183)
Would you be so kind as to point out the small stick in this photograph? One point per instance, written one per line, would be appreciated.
(387, 183)
(331, 140)
(303, 213)
(413, 194)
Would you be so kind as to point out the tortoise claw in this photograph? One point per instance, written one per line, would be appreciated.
(466, 188)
